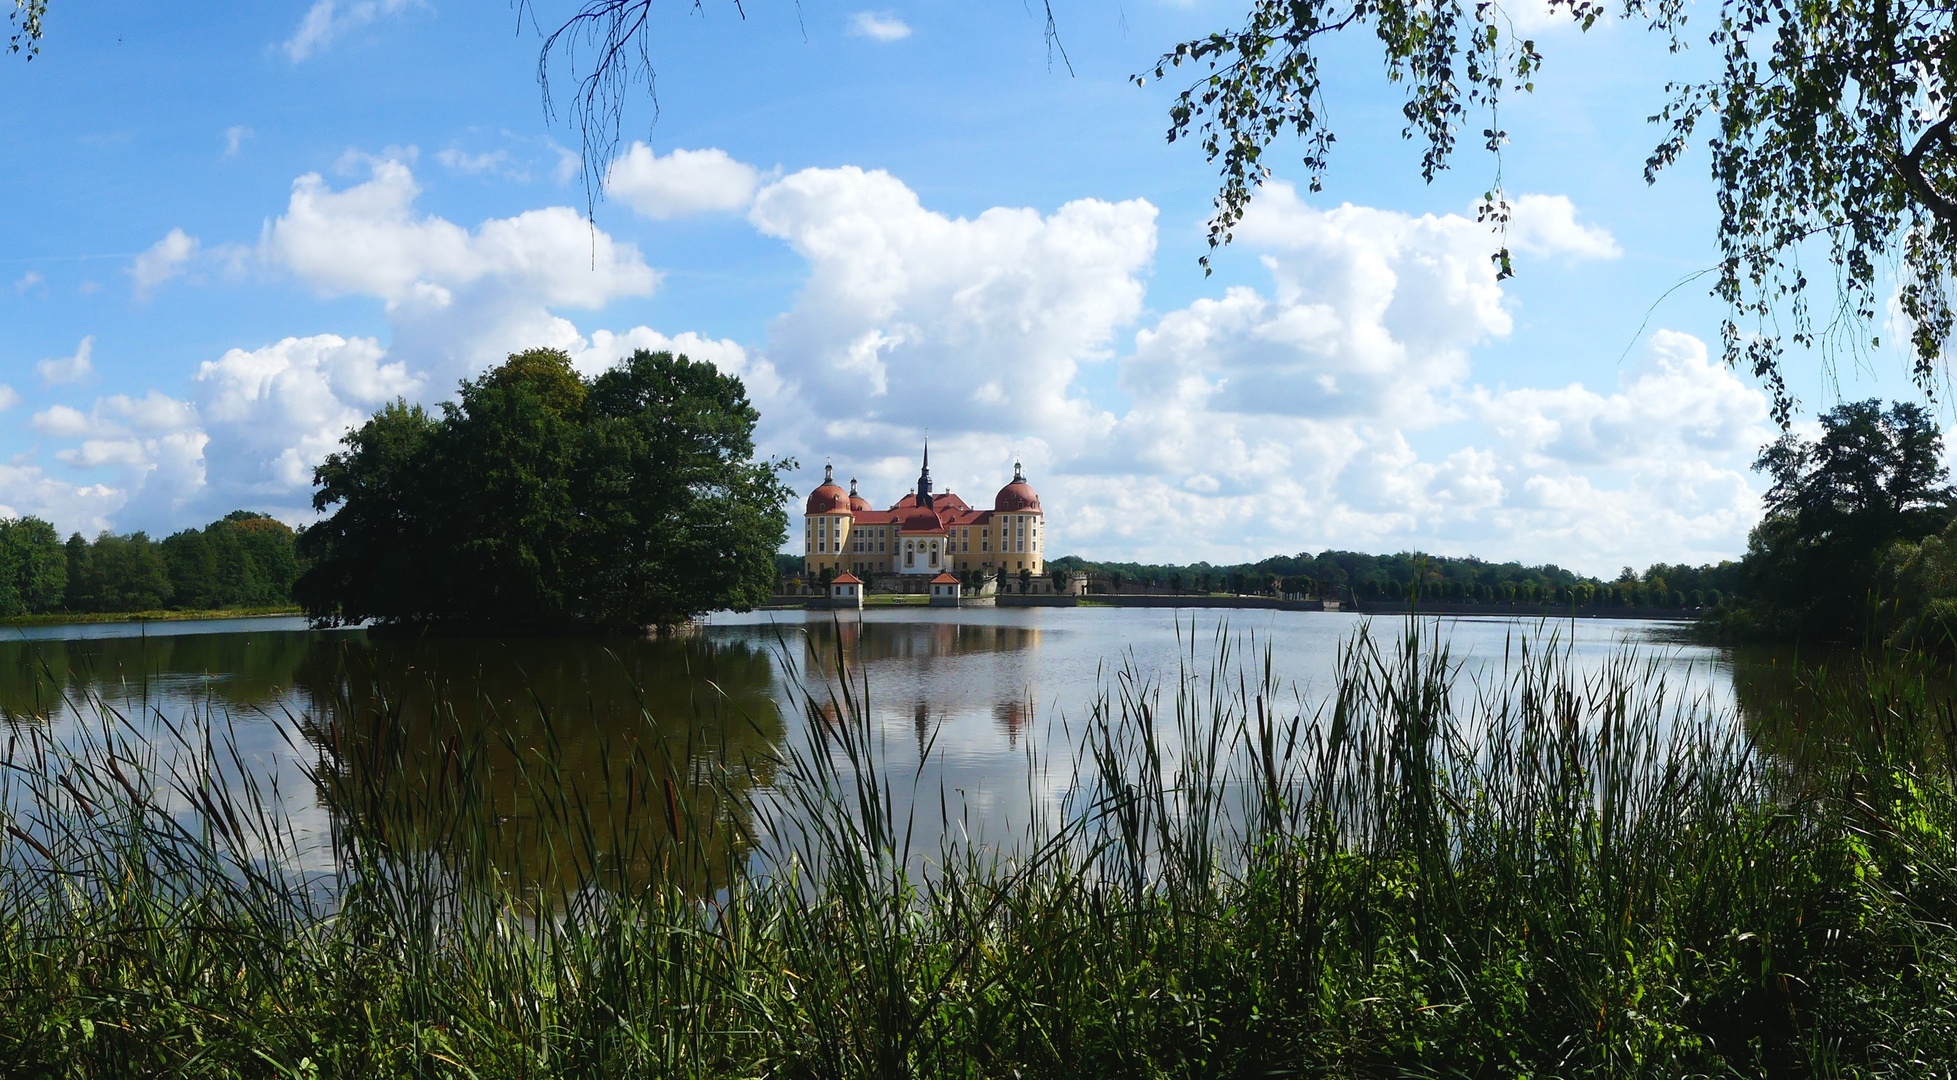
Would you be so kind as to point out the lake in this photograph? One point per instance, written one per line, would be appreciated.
(997, 697)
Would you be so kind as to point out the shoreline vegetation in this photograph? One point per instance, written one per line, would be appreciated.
(80, 618)
(1530, 870)
(242, 561)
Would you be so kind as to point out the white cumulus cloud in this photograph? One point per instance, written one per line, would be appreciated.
(275, 412)
(328, 20)
(72, 368)
(459, 299)
(164, 260)
(879, 26)
(151, 447)
(62, 422)
(682, 183)
(369, 240)
(979, 323)
(1546, 225)
(85, 508)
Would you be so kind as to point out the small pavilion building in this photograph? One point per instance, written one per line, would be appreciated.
(945, 590)
(846, 591)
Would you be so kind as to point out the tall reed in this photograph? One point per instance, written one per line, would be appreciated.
(1519, 869)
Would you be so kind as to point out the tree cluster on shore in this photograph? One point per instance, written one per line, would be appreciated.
(541, 500)
(243, 559)
(1355, 575)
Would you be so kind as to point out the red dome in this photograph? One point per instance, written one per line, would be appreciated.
(1018, 495)
(858, 504)
(828, 499)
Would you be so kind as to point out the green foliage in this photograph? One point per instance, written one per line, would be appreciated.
(1434, 578)
(544, 500)
(1917, 584)
(33, 567)
(1832, 132)
(242, 560)
(1873, 479)
(1262, 82)
(117, 573)
(26, 20)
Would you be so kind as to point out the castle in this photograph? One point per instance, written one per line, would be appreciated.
(923, 533)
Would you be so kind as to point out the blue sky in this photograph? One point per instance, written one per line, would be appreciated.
(230, 231)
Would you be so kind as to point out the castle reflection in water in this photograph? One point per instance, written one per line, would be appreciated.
(975, 671)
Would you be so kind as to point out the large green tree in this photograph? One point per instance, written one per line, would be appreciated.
(539, 499)
(1873, 478)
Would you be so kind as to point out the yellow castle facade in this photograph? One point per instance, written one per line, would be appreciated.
(925, 532)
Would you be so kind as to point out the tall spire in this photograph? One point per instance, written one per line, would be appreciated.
(924, 476)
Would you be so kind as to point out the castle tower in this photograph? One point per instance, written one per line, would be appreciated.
(924, 477)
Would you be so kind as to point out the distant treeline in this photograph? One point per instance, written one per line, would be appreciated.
(241, 560)
(1337, 574)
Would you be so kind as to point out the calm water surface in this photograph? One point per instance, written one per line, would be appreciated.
(998, 695)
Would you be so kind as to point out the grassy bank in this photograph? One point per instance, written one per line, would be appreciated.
(1535, 872)
(64, 618)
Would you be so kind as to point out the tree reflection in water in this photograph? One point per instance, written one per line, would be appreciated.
(535, 762)
(246, 672)
(546, 762)
(1804, 706)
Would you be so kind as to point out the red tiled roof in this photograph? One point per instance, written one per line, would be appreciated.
(942, 501)
(845, 578)
(944, 579)
(947, 511)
